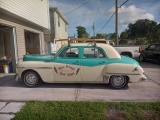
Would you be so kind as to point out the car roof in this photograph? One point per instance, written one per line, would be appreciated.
(109, 50)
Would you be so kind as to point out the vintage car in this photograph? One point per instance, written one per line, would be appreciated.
(81, 63)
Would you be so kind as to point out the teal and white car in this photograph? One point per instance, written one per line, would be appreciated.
(81, 63)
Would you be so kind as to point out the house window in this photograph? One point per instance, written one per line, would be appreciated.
(32, 42)
(58, 21)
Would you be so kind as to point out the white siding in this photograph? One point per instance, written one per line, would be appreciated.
(35, 11)
(60, 32)
(20, 27)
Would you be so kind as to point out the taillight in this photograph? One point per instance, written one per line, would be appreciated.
(139, 49)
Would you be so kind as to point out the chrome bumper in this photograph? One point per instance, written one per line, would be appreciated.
(144, 78)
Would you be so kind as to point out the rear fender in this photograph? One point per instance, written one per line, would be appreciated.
(122, 69)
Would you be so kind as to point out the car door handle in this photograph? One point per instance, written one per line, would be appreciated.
(102, 62)
(77, 63)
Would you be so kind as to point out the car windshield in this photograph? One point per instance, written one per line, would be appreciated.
(59, 50)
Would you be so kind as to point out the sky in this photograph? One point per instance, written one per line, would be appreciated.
(100, 11)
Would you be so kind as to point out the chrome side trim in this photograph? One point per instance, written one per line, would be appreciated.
(123, 73)
(36, 67)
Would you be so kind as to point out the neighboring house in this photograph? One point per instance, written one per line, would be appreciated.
(58, 30)
(22, 23)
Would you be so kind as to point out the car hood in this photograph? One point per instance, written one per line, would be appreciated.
(38, 57)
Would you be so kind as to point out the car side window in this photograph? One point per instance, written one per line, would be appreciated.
(69, 53)
(93, 53)
(152, 47)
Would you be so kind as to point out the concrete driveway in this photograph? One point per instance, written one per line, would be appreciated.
(143, 91)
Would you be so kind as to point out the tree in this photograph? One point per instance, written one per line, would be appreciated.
(140, 28)
(124, 35)
(81, 31)
(140, 41)
(154, 34)
(142, 31)
(123, 42)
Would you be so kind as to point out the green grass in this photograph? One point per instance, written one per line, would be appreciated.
(35, 110)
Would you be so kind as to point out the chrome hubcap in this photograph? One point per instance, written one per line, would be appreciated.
(118, 80)
(31, 78)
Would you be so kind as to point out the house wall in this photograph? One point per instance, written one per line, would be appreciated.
(60, 32)
(35, 11)
(20, 27)
(56, 32)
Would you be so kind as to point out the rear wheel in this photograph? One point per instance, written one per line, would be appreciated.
(118, 81)
(31, 79)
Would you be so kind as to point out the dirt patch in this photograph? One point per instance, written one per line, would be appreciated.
(150, 115)
(115, 114)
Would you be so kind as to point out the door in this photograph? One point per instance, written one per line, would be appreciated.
(32, 42)
(156, 53)
(149, 52)
(67, 66)
(93, 62)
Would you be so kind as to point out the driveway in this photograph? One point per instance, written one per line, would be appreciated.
(142, 91)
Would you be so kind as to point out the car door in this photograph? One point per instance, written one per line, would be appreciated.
(92, 64)
(149, 52)
(67, 66)
(156, 53)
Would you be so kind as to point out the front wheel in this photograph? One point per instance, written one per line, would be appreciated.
(118, 81)
(31, 79)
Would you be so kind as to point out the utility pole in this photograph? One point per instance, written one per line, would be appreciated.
(116, 23)
(93, 27)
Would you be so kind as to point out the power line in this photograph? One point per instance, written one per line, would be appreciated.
(77, 7)
(106, 22)
(123, 4)
(89, 13)
(98, 11)
(112, 16)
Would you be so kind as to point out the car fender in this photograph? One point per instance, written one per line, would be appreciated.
(129, 70)
(39, 67)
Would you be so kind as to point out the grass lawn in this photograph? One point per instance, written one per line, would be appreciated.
(35, 110)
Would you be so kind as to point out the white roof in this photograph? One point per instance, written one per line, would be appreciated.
(110, 51)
